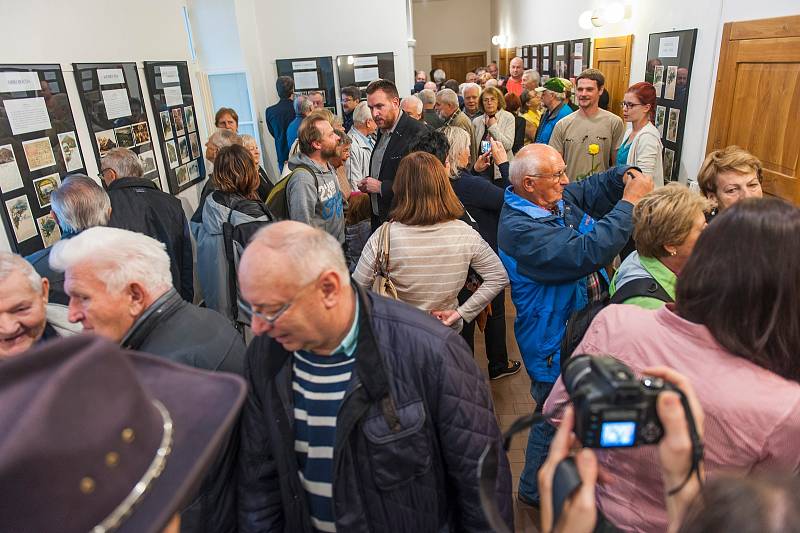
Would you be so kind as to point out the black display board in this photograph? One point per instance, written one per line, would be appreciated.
(38, 147)
(580, 49)
(173, 104)
(561, 56)
(670, 56)
(359, 70)
(534, 51)
(546, 61)
(113, 106)
(311, 74)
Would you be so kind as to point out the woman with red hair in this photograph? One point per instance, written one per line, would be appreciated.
(642, 147)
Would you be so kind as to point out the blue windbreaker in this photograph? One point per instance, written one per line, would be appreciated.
(548, 258)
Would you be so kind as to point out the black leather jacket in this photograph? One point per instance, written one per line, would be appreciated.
(416, 416)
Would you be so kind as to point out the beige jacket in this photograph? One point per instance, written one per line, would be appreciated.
(646, 153)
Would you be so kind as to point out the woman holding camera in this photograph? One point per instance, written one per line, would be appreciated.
(666, 225)
(735, 334)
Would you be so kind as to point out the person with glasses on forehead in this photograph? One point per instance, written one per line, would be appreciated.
(642, 147)
(555, 238)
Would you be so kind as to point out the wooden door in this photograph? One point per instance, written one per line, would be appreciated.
(757, 99)
(612, 56)
(456, 66)
(505, 57)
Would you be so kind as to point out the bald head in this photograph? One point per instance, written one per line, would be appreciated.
(534, 159)
(430, 85)
(516, 67)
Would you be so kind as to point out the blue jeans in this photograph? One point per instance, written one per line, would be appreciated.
(538, 444)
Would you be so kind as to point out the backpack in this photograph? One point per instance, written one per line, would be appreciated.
(236, 238)
(579, 321)
(278, 199)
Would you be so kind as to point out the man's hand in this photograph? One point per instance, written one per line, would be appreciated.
(369, 185)
(580, 510)
(636, 186)
(447, 317)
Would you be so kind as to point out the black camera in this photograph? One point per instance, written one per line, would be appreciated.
(613, 409)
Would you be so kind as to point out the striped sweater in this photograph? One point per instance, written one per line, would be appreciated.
(429, 265)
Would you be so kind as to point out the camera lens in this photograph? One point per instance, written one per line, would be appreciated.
(577, 367)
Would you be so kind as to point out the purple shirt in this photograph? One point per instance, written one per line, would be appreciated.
(752, 416)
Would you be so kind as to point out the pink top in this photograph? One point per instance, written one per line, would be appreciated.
(752, 416)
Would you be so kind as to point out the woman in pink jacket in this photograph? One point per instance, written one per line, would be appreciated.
(734, 332)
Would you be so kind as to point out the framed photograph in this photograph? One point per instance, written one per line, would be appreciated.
(141, 133)
(183, 149)
(658, 79)
(194, 170)
(672, 124)
(661, 113)
(39, 153)
(182, 174)
(69, 151)
(166, 125)
(672, 78)
(10, 177)
(669, 160)
(124, 137)
(48, 229)
(194, 144)
(19, 212)
(177, 119)
(44, 187)
(106, 140)
(148, 160)
(191, 125)
(172, 154)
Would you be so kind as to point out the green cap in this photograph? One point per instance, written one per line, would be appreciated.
(553, 84)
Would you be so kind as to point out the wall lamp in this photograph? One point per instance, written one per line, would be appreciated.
(610, 14)
(499, 40)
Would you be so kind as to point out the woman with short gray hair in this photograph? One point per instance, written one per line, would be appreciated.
(265, 185)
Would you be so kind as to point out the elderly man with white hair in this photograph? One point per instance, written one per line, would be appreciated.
(412, 106)
(362, 412)
(555, 238)
(23, 304)
(471, 92)
(429, 115)
(448, 110)
(362, 136)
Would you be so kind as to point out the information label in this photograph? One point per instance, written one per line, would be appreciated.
(27, 114)
(11, 82)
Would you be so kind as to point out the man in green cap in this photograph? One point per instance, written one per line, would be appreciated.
(553, 98)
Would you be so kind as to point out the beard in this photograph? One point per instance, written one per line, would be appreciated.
(329, 153)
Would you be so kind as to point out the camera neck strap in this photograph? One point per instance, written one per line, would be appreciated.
(697, 445)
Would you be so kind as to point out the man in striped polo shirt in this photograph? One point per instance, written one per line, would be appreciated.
(363, 414)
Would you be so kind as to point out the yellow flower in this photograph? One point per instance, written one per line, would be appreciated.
(594, 149)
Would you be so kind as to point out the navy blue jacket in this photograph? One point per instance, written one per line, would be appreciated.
(409, 433)
(278, 118)
(548, 258)
(483, 200)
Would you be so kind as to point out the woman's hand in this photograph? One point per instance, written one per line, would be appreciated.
(490, 121)
(483, 162)
(499, 153)
(447, 317)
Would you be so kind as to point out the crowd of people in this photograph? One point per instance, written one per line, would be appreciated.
(333, 384)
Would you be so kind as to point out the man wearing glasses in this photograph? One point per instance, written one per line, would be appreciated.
(363, 413)
(351, 96)
(555, 238)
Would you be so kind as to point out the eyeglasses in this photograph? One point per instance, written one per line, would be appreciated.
(556, 176)
(272, 318)
(629, 105)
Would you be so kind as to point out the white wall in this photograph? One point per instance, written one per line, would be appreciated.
(77, 31)
(450, 27)
(648, 16)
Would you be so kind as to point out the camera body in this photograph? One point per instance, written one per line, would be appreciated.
(613, 409)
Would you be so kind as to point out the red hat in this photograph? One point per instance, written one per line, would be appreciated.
(96, 438)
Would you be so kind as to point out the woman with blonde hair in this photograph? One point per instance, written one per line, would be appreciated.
(666, 225)
(430, 249)
(729, 175)
(265, 186)
(495, 124)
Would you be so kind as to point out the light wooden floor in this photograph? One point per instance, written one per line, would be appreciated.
(512, 399)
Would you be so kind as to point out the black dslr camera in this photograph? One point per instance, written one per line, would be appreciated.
(613, 409)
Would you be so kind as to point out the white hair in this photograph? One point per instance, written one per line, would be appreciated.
(248, 140)
(448, 96)
(117, 256)
(414, 101)
(524, 164)
(531, 74)
(461, 88)
(459, 141)
(124, 162)
(361, 114)
(306, 251)
(80, 203)
(10, 263)
(439, 76)
(427, 96)
(222, 138)
(468, 86)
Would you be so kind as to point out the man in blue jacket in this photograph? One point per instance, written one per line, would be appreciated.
(553, 235)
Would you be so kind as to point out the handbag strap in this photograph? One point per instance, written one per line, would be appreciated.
(382, 257)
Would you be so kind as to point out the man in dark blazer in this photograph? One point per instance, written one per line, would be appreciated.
(396, 133)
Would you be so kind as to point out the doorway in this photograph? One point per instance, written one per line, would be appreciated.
(456, 66)
(757, 99)
(612, 56)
